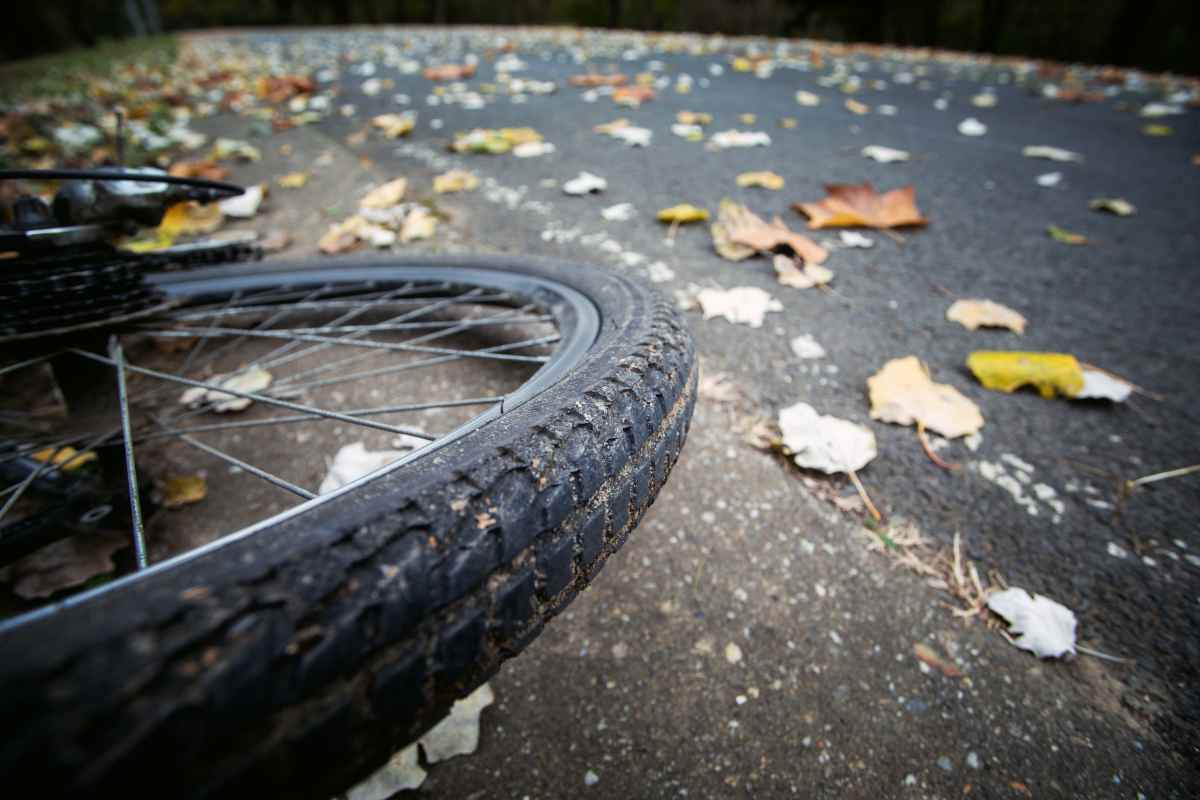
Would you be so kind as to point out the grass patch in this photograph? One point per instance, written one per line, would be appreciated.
(60, 74)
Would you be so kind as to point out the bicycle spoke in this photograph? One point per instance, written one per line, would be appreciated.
(177, 333)
(29, 362)
(253, 470)
(135, 505)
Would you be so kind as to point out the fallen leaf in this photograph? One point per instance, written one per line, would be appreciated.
(1100, 385)
(855, 107)
(620, 212)
(244, 205)
(292, 180)
(352, 462)
(532, 149)
(1113, 205)
(747, 119)
(394, 125)
(189, 218)
(718, 387)
(1157, 130)
(973, 314)
(206, 168)
(807, 98)
(385, 195)
(735, 138)
(856, 239)
(739, 233)
(275, 241)
(1043, 627)
(851, 206)
(1154, 110)
(789, 122)
(1052, 153)
(928, 655)
(984, 100)
(972, 127)
(632, 96)
(884, 155)
(493, 141)
(682, 214)
(449, 72)
(65, 458)
(593, 79)
(585, 183)
(693, 118)
(65, 563)
(767, 180)
(401, 772)
(1065, 236)
(802, 275)
(419, 223)
(743, 305)
(458, 733)
(1008, 371)
(1049, 179)
(825, 443)
(184, 490)
(234, 148)
(250, 380)
(456, 180)
(806, 346)
(903, 393)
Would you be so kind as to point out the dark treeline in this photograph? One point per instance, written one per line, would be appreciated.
(1152, 34)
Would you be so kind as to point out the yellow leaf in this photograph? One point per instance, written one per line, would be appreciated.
(748, 119)
(902, 392)
(683, 214)
(1008, 371)
(419, 224)
(66, 458)
(394, 125)
(456, 180)
(766, 179)
(293, 180)
(742, 64)
(190, 217)
(1065, 236)
(1113, 205)
(386, 195)
(693, 118)
(1157, 130)
(183, 490)
(788, 122)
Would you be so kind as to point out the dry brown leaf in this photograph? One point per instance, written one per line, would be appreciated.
(851, 206)
(449, 72)
(184, 490)
(800, 275)
(205, 168)
(65, 563)
(739, 228)
(386, 195)
(902, 392)
(973, 314)
(590, 80)
(633, 95)
(766, 179)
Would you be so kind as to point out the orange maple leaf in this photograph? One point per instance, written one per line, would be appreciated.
(850, 206)
(597, 79)
(449, 72)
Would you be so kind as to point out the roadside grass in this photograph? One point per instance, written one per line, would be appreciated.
(64, 74)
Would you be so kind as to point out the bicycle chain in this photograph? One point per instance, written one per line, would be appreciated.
(59, 293)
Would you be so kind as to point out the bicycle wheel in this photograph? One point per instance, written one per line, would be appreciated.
(298, 652)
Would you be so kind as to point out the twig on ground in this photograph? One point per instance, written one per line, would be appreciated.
(929, 450)
(862, 492)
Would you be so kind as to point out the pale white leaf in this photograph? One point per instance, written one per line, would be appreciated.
(532, 149)
(806, 346)
(825, 443)
(400, 772)
(972, 127)
(458, 733)
(619, 213)
(734, 138)
(1049, 179)
(884, 155)
(245, 205)
(856, 239)
(585, 183)
(1098, 385)
(744, 305)
(1051, 153)
(353, 462)
(1044, 627)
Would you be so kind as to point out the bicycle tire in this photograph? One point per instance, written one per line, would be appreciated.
(301, 657)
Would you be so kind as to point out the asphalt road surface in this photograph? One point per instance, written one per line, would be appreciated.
(631, 694)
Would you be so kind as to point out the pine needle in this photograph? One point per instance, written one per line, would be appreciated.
(865, 497)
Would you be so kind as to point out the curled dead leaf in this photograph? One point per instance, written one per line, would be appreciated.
(860, 206)
(973, 314)
(738, 228)
(800, 275)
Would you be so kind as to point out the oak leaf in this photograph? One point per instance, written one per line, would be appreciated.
(860, 206)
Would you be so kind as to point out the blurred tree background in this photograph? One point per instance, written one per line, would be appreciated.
(1152, 34)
